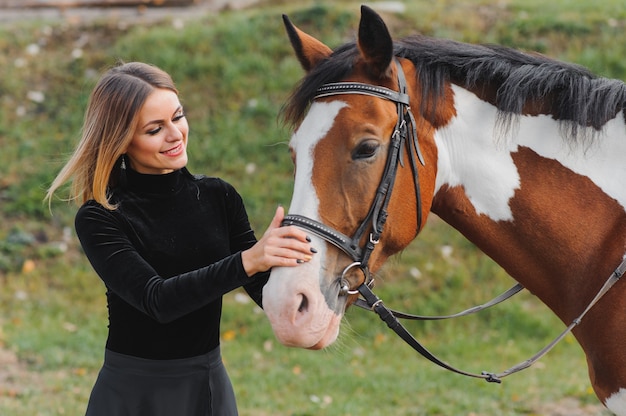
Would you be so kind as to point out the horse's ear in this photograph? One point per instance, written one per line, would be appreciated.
(375, 42)
(309, 50)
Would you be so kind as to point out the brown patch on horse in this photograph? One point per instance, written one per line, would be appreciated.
(594, 226)
(562, 201)
(440, 110)
(365, 118)
(567, 273)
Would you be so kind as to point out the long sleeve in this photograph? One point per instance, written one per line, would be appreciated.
(244, 239)
(127, 274)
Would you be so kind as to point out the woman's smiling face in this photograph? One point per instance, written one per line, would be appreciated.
(159, 143)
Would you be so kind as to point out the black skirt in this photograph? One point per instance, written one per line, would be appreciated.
(132, 386)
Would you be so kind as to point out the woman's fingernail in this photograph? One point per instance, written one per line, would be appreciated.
(308, 238)
(308, 258)
(313, 250)
(299, 261)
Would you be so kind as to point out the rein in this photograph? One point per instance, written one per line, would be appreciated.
(405, 133)
(390, 317)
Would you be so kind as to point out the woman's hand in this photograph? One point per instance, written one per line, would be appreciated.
(279, 247)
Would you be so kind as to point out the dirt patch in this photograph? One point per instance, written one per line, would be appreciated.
(11, 371)
(139, 13)
(15, 378)
(570, 406)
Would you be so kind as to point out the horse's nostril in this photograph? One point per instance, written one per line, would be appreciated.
(304, 304)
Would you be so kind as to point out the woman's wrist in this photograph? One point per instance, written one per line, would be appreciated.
(247, 263)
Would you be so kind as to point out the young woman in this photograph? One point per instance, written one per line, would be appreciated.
(167, 244)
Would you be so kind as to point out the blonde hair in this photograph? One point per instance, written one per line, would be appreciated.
(108, 128)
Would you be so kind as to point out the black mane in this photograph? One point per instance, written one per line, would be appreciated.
(578, 97)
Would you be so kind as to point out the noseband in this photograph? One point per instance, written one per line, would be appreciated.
(404, 133)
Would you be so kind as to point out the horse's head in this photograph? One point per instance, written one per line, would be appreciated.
(356, 128)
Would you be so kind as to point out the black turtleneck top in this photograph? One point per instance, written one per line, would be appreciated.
(167, 254)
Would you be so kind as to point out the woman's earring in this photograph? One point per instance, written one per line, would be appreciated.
(122, 171)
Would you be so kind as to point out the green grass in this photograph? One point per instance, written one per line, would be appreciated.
(234, 71)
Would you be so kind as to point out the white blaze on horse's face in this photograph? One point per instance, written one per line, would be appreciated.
(314, 127)
(490, 184)
(294, 299)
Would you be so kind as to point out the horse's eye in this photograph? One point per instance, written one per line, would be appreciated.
(365, 149)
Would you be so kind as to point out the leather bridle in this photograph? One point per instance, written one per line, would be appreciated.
(405, 134)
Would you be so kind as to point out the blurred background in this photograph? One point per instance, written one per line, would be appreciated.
(235, 68)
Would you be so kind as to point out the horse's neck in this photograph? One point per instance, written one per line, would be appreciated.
(543, 208)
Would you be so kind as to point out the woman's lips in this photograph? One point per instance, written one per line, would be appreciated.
(175, 151)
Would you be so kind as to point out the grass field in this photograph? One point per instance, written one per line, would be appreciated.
(234, 71)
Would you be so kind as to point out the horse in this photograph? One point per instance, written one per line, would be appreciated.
(521, 153)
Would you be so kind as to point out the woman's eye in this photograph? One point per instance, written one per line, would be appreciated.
(154, 131)
(179, 116)
(366, 149)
